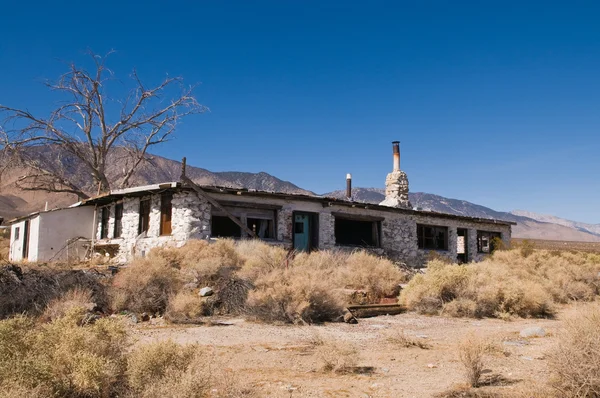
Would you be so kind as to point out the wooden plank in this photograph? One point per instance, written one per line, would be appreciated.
(366, 311)
(213, 202)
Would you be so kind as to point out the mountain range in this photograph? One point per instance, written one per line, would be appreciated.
(529, 225)
(15, 202)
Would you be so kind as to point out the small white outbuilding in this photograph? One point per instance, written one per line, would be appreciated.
(53, 235)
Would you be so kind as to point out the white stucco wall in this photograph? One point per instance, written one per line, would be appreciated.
(16, 245)
(59, 226)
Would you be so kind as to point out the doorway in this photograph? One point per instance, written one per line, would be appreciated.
(462, 245)
(305, 230)
(26, 241)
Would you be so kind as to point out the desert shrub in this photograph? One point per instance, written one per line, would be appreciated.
(62, 358)
(575, 361)
(201, 261)
(259, 258)
(145, 285)
(152, 362)
(505, 284)
(30, 290)
(231, 296)
(295, 295)
(377, 275)
(400, 339)
(526, 248)
(337, 357)
(443, 282)
(75, 298)
(186, 307)
(167, 369)
(471, 353)
(4, 247)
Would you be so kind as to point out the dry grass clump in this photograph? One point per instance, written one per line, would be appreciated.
(201, 261)
(62, 358)
(167, 369)
(145, 285)
(186, 306)
(378, 276)
(78, 298)
(337, 357)
(471, 351)
(400, 339)
(506, 284)
(4, 245)
(251, 276)
(65, 359)
(29, 290)
(259, 258)
(295, 295)
(576, 360)
(153, 368)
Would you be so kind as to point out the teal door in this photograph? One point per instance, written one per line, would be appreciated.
(301, 233)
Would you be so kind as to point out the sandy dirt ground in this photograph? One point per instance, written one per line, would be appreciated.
(282, 361)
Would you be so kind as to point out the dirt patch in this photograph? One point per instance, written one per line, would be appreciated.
(283, 361)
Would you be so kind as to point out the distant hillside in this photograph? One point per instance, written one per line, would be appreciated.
(527, 227)
(14, 202)
(580, 226)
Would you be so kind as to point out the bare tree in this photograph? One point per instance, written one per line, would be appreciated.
(90, 130)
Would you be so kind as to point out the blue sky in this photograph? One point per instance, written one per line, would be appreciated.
(497, 103)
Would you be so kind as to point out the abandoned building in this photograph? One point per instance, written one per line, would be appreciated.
(130, 222)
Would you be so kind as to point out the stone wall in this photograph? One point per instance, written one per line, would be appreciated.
(191, 219)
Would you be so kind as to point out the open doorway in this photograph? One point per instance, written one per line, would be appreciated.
(305, 230)
(462, 246)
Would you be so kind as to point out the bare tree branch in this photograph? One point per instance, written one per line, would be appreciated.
(80, 136)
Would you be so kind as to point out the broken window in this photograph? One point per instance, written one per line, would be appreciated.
(357, 232)
(118, 220)
(165, 213)
(260, 221)
(486, 241)
(432, 237)
(144, 223)
(224, 227)
(104, 219)
(261, 227)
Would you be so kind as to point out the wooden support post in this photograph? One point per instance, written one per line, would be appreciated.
(213, 202)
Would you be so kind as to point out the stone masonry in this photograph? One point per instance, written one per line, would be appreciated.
(191, 219)
(396, 190)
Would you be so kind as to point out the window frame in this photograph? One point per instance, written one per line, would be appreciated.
(422, 238)
(104, 222)
(144, 215)
(490, 236)
(166, 214)
(376, 235)
(244, 213)
(118, 227)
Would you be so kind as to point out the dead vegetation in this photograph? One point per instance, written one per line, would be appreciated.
(509, 283)
(64, 358)
(471, 351)
(30, 290)
(4, 245)
(253, 278)
(400, 339)
(337, 357)
(576, 360)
